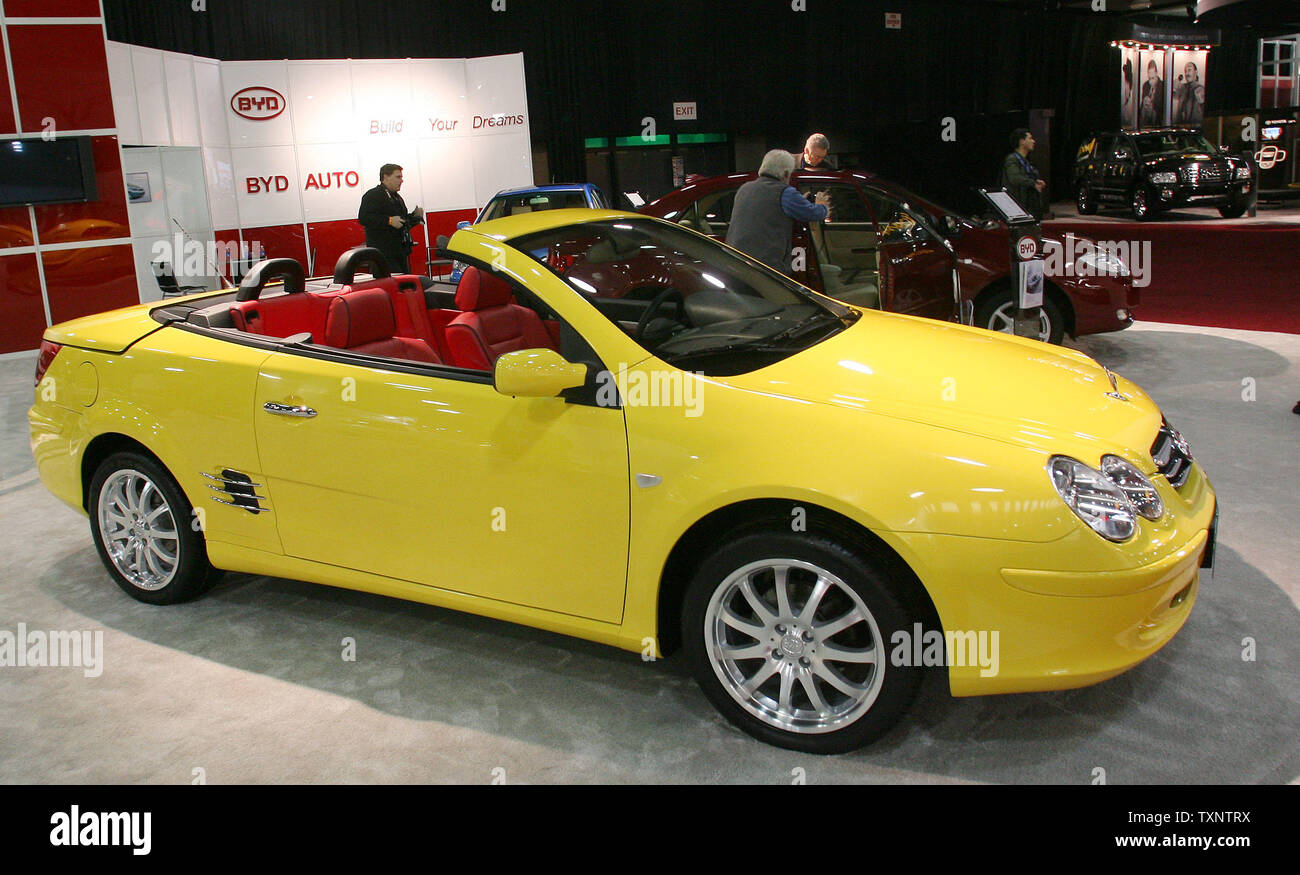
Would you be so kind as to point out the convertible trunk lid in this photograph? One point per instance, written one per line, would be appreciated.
(113, 331)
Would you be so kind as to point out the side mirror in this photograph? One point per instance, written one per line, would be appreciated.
(536, 373)
(916, 233)
(951, 225)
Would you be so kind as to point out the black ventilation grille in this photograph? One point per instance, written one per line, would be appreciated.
(1171, 454)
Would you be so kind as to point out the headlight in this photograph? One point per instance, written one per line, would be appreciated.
(1101, 263)
(1166, 178)
(1243, 172)
(1097, 501)
(1135, 486)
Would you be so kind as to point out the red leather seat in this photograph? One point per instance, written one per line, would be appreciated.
(281, 315)
(364, 320)
(491, 323)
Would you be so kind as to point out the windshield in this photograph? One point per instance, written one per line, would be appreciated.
(684, 297)
(531, 202)
(1173, 142)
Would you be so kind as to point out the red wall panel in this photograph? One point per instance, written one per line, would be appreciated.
(329, 240)
(101, 219)
(229, 265)
(332, 239)
(52, 8)
(279, 241)
(443, 222)
(61, 72)
(22, 315)
(15, 227)
(7, 125)
(91, 280)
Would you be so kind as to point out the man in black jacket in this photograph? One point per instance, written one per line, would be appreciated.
(388, 224)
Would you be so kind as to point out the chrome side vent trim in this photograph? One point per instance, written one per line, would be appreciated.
(237, 490)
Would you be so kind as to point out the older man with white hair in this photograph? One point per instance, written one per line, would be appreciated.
(763, 216)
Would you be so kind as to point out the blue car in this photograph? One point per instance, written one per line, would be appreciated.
(563, 195)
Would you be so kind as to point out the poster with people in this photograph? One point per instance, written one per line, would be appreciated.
(1151, 97)
(1128, 84)
(1188, 76)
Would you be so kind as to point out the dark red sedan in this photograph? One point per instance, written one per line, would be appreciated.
(886, 248)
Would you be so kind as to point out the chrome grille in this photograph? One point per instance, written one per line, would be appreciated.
(1171, 454)
(237, 490)
(1203, 174)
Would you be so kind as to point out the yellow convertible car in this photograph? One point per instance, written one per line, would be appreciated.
(814, 503)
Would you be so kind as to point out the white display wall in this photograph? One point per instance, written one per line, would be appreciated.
(175, 213)
(297, 142)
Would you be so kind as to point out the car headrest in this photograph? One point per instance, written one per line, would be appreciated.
(265, 271)
(480, 291)
(612, 249)
(358, 317)
(346, 267)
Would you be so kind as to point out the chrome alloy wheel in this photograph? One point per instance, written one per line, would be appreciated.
(795, 646)
(1004, 319)
(139, 529)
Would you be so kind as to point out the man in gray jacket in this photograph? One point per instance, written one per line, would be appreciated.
(763, 217)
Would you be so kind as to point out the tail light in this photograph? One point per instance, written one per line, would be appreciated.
(45, 359)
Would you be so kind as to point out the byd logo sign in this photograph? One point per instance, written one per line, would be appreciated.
(258, 104)
(1269, 157)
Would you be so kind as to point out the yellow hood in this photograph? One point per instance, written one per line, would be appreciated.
(1002, 387)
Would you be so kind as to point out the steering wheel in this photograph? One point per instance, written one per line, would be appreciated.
(655, 305)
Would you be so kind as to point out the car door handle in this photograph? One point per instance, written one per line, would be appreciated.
(289, 409)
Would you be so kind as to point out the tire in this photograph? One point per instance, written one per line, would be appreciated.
(137, 514)
(1138, 204)
(1233, 211)
(997, 313)
(1084, 200)
(804, 700)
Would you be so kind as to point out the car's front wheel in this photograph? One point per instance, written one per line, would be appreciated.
(1233, 210)
(145, 532)
(998, 313)
(789, 636)
(1138, 204)
(1084, 200)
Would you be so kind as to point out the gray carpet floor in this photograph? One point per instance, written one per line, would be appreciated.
(248, 685)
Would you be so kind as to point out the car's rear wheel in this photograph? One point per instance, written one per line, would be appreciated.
(1084, 200)
(1138, 204)
(143, 529)
(789, 637)
(998, 313)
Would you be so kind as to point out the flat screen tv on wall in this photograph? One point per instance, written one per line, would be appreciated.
(37, 171)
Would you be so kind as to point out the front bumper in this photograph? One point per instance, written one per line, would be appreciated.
(1072, 612)
(1183, 195)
